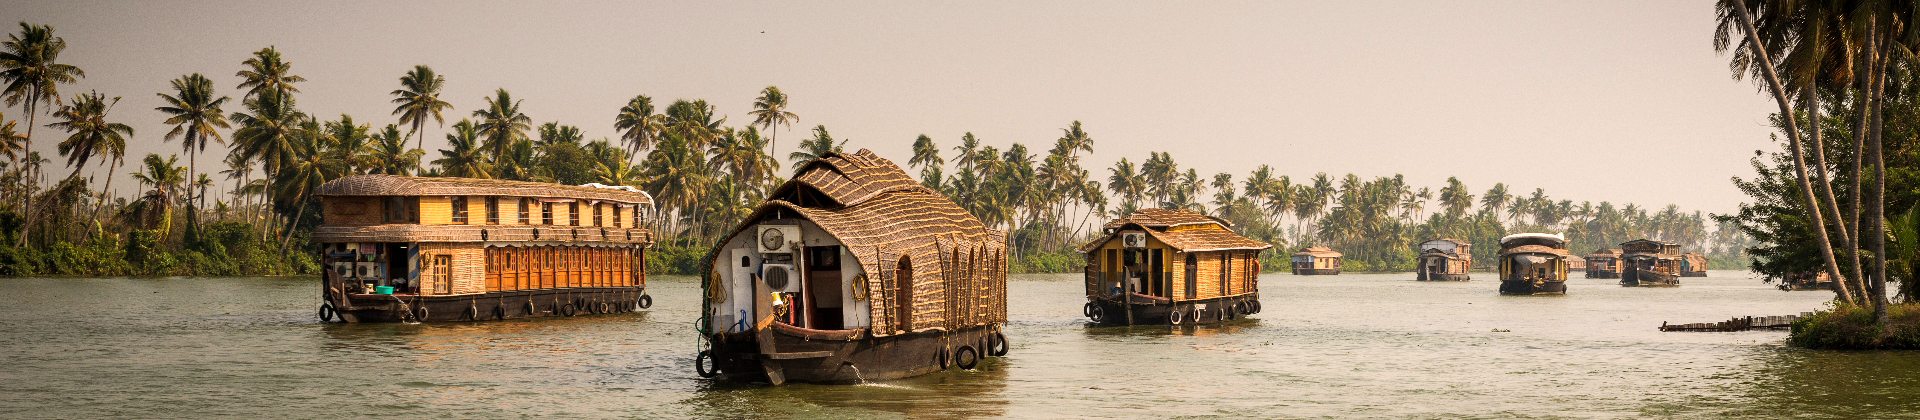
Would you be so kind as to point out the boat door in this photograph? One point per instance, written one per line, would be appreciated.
(824, 300)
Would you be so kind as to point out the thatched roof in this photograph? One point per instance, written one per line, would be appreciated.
(1454, 241)
(1165, 218)
(1318, 251)
(1534, 249)
(1605, 253)
(570, 235)
(880, 215)
(395, 185)
(1196, 238)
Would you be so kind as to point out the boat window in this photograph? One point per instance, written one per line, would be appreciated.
(616, 215)
(546, 213)
(573, 214)
(459, 210)
(596, 214)
(401, 210)
(493, 210)
(526, 210)
(443, 274)
(1193, 275)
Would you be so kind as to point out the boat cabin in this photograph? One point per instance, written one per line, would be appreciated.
(1163, 266)
(1533, 264)
(1604, 264)
(1316, 260)
(401, 248)
(1444, 260)
(852, 271)
(1647, 262)
(1693, 265)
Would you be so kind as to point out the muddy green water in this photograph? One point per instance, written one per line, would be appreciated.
(1356, 345)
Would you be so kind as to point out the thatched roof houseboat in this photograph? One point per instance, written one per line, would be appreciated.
(1604, 264)
(1693, 265)
(1160, 266)
(1444, 260)
(1647, 262)
(1533, 264)
(852, 271)
(1316, 260)
(400, 248)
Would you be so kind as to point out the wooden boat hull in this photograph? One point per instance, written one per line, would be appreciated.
(1148, 311)
(1533, 288)
(488, 306)
(1693, 274)
(1316, 271)
(1648, 279)
(1810, 286)
(1603, 274)
(1425, 276)
(824, 359)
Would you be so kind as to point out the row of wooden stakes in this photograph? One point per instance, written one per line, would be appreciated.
(1739, 324)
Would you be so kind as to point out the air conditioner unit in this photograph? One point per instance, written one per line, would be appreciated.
(1133, 239)
(780, 277)
(778, 238)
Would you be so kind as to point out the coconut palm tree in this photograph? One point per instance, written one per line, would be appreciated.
(676, 175)
(12, 142)
(966, 151)
(552, 133)
(466, 159)
(269, 131)
(155, 208)
(925, 153)
(694, 122)
(348, 145)
(638, 125)
(501, 122)
(815, 147)
(90, 132)
(1127, 183)
(742, 154)
(389, 153)
(419, 98)
(1075, 140)
(30, 68)
(769, 111)
(194, 113)
(265, 71)
(310, 168)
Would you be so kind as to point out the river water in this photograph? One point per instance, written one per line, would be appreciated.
(1355, 345)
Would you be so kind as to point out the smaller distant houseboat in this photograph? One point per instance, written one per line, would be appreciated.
(1576, 264)
(1817, 280)
(1445, 260)
(1604, 264)
(1647, 262)
(1533, 264)
(1172, 267)
(1315, 261)
(1693, 265)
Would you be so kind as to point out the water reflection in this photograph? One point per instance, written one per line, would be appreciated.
(954, 393)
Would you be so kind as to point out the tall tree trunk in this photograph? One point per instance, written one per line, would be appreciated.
(1877, 208)
(1867, 82)
(26, 208)
(1811, 99)
(1765, 64)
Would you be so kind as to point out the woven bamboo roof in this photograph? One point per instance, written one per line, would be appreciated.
(1698, 261)
(1534, 249)
(395, 185)
(1218, 238)
(1605, 253)
(847, 179)
(1165, 218)
(1319, 251)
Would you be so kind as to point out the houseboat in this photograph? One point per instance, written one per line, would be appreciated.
(415, 249)
(1604, 264)
(1316, 260)
(1533, 264)
(1816, 280)
(1693, 265)
(1646, 262)
(1444, 260)
(852, 271)
(1160, 266)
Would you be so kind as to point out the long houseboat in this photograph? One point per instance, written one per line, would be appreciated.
(1647, 262)
(852, 271)
(1445, 260)
(1604, 264)
(1533, 264)
(400, 248)
(1693, 265)
(1160, 266)
(1316, 261)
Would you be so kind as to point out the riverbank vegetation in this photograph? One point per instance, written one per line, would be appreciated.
(252, 215)
(1838, 200)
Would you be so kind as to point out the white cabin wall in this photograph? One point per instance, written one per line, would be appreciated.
(854, 313)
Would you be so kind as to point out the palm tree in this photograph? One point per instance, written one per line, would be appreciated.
(418, 98)
(1074, 140)
(742, 154)
(194, 113)
(1126, 183)
(304, 174)
(638, 125)
(348, 145)
(467, 159)
(501, 122)
(267, 72)
(239, 169)
(966, 151)
(91, 133)
(552, 133)
(269, 131)
(813, 148)
(925, 153)
(390, 155)
(676, 175)
(155, 208)
(29, 68)
(694, 122)
(11, 141)
(770, 110)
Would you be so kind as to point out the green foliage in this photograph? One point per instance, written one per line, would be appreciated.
(675, 259)
(1064, 261)
(1849, 327)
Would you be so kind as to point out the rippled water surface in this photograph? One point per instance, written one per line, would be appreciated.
(1366, 345)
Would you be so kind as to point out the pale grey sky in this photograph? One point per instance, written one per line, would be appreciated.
(1616, 101)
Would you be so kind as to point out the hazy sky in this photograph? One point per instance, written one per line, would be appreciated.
(1617, 101)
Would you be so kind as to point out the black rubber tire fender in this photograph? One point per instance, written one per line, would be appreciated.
(997, 345)
(473, 313)
(1087, 311)
(1175, 316)
(1098, 314)
(420, 314)
(942, 360)
(568, 310)
(500, 312)
(646, 301)
(530, 308)
(966, 357)
(701, 364)
(606, 308)
(326, 312)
